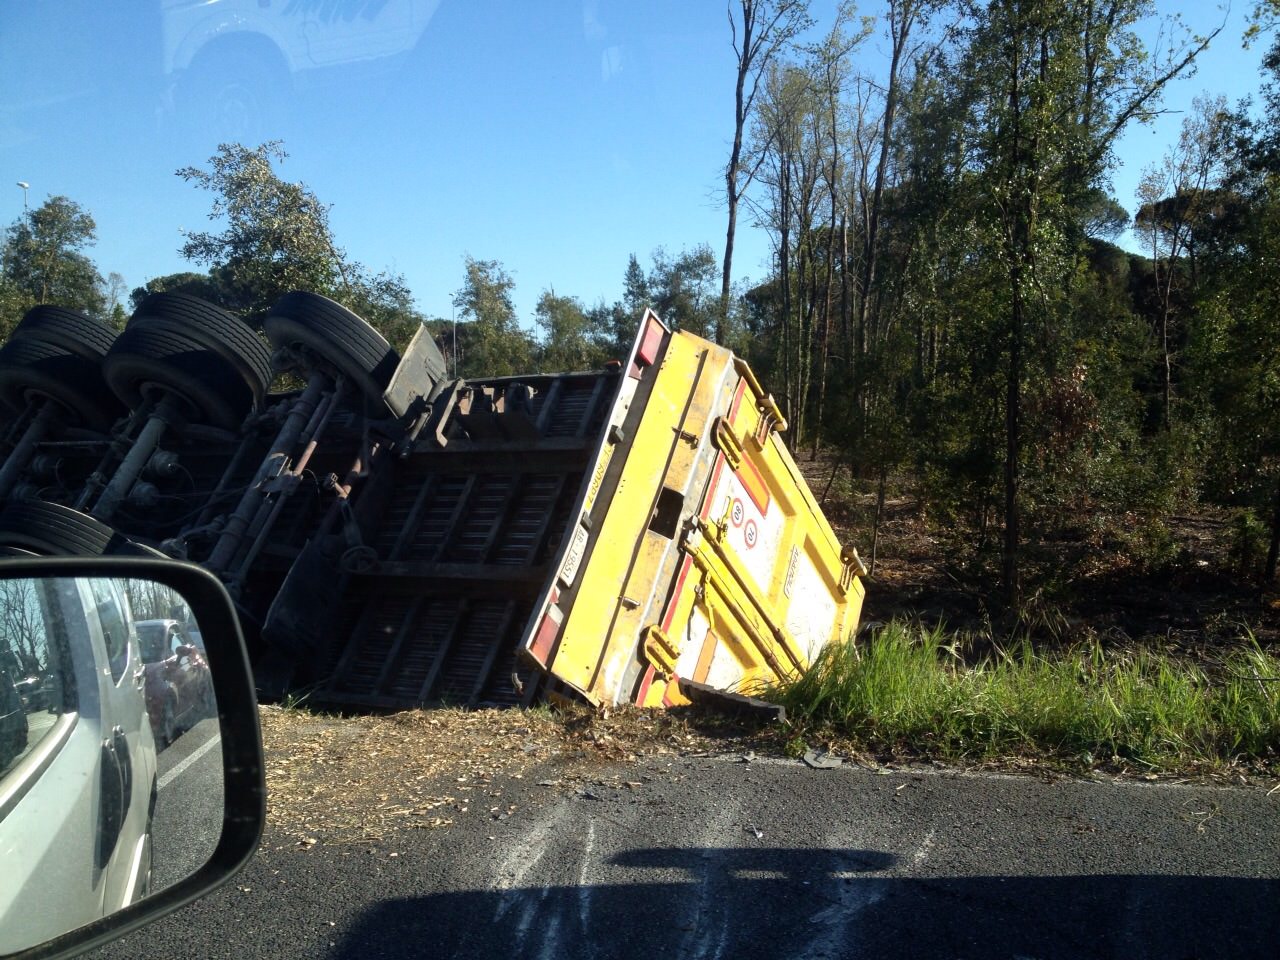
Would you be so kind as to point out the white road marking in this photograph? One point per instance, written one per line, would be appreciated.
(584, 881)
(707, 917)
(195, 755)
(922, 851)
(522, 857)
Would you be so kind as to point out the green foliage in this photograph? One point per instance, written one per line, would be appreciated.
(42, 260)
(683, 289)
(201, 285)
(274, 235)
(489, 341)
(910, 688)
(1248, 542)
(570, 339)
(385, 301)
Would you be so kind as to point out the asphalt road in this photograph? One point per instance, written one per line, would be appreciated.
(189, 802)
(709, 858)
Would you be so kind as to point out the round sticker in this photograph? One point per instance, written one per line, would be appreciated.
(749, 534)
(736, 512)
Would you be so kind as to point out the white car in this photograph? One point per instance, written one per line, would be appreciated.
(88, 762)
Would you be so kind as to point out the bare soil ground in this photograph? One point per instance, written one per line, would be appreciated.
(1195, 603)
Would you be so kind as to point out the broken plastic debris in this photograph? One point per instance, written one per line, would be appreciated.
(822, 759)
(753, 829)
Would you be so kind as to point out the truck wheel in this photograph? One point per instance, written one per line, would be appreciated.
(235, 91)
(213, 328)
(74, 332)
(34, 369)
(154, 358)
(50, 529)
(168, 722)
(343, 342)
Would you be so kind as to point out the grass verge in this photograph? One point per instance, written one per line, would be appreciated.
(909, 690)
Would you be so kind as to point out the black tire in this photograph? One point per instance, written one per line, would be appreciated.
(72, 331)
(50, 529)
(149, 360)
(235, 91)
(214, 328)
(34, 369)
(342, 340)
(168, 722)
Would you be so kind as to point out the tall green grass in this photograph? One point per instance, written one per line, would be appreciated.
(908, 689)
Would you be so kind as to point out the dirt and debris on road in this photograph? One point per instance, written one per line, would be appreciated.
(361, 778)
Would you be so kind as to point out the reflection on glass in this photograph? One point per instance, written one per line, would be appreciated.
(32, 692)
(110, 768)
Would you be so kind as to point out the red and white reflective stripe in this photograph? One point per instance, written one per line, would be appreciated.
(545, 637)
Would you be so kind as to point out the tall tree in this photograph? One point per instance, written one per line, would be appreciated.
(1055, 83)
(489, 341)
(830, 73)
(901, 18)
(43, 258)
(1176, 197)
(635, 289)
(759, 29)
(274, 236)
(570, 340)
(681, 288)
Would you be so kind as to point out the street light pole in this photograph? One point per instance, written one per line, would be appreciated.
(25, 187)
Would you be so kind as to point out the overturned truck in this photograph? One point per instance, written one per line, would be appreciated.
(394, 537)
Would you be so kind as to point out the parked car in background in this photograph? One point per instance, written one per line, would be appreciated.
(13, 720)
(77, 798)
(178, 685)
(235, 65)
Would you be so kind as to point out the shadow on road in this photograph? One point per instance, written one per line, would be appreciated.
(773, 903)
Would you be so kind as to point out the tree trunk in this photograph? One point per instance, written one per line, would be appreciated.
(1013, 400)
(784, 272)
(875, 526)
(870, 244)
(731, 176)
(1166, 373)
(1273, 551)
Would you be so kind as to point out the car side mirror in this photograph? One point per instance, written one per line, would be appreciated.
(99, 767)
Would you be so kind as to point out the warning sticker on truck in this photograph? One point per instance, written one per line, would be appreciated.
(753, 526)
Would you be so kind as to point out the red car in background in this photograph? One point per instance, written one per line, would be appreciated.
(178, 686)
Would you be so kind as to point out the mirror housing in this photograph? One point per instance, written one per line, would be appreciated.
(244, 790)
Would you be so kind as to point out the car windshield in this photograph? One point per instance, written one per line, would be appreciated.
(897, 379)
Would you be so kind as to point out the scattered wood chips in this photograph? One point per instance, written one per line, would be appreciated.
(360, 778)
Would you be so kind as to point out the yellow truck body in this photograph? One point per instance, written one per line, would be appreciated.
(699, 552)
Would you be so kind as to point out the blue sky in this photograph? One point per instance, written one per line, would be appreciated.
(557, 137)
